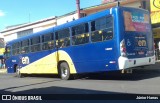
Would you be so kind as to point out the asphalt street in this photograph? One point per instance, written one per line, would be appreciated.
(141, 81)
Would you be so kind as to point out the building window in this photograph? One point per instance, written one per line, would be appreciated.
(24, 33)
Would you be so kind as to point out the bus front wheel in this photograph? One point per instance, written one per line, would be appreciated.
(18, 73)
(64, 71)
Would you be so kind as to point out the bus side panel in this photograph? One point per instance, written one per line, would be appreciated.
(94, 57)
(99, 56)
(25, 60)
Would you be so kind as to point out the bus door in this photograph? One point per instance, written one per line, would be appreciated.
(62, 40)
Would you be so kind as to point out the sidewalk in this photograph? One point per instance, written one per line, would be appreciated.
(3, 71)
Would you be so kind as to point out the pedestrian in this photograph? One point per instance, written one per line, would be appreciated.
(3, 64)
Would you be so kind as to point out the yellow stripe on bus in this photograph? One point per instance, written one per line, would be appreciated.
(48, 64)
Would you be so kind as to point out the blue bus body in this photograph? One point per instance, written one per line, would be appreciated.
(127, 47)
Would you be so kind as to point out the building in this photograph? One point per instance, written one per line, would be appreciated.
(17, 31)
(155, 18)
(111, 3)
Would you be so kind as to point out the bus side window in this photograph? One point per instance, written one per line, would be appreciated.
(47, 41)
(35, 44)
(93, 26)
(16, 48)
(7, 52)
(95, 33)
(108, 31)
(80, 34)
(63, 38)
(25, 46)
(102, 29)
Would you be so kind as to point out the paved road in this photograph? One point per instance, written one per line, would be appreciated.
(142, 81)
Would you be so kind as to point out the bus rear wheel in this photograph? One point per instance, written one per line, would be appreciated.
(64, 71)
(18, 73)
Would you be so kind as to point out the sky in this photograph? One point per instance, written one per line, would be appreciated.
(14, 12)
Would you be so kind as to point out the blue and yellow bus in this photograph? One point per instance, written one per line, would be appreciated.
(119, 38)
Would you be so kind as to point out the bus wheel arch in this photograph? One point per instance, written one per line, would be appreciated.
(64, 70)
(17, 71)
(14, 67)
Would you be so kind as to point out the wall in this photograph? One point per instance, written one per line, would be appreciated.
(10, 37)
(35, 27)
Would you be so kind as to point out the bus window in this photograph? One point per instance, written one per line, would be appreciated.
(7, 52)
(63, 38)
(102, 29)
(16, 48)
(25, 46)
(80, 34)
(48, 42)
(35, 44)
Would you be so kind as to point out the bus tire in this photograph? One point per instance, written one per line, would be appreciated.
(18, 73)
(64, 71)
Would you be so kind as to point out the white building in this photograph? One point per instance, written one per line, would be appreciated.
(25, 29)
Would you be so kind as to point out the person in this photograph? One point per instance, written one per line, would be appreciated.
(3, 64)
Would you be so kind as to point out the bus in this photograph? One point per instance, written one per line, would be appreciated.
(119, 38)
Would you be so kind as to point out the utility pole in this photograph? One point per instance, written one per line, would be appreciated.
(78, 7)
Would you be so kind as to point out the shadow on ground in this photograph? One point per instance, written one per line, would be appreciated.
(137, 74)
(72, 95)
